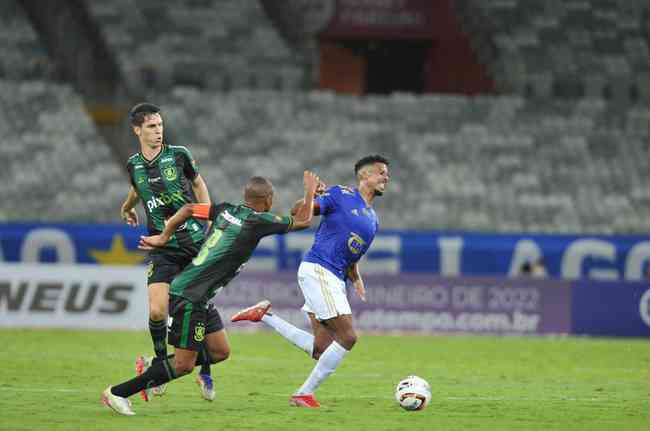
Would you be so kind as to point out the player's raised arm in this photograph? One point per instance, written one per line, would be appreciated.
(304, 213)
(201, 211)
(127, 211)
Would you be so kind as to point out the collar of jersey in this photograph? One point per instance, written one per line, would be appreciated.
(358, 194)
(162, 150)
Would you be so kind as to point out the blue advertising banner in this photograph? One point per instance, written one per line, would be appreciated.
(449, 254)
(610, 309)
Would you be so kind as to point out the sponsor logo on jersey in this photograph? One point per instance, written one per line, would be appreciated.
(355, 212)
(166, 159)
(355, 243)
(138, 166)
(231, 218)
(154, 180)
(170, 173)
(164, 198)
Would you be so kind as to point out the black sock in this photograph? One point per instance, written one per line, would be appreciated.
(158, 330)
(203, 359)
(158, 373)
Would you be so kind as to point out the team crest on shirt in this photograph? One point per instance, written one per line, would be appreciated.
(355, 243)
(170, 173)
(199, 332)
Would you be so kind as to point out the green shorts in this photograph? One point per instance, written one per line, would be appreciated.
(165, 264)
(191, 323)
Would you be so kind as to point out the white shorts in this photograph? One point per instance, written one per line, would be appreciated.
(325, 294)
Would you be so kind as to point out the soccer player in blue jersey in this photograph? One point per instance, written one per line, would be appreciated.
(348, 226)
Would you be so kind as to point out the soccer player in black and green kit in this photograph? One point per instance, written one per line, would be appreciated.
(236, 230)
(164, 177)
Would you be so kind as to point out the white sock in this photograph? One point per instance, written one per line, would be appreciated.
(301, 339)
(327, 363)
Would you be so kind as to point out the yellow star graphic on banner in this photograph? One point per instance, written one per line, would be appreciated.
(118, 254)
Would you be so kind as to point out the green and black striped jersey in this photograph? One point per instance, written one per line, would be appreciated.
(236, 231)
(164, 185)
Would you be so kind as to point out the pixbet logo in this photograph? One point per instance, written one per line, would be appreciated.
(644, 307)
(164, 199)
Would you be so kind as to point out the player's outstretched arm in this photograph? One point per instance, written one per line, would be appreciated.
(305, 212)
(127, 211)
(182, 215)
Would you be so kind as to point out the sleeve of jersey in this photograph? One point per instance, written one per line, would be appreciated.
(189, 167)
(269, 224)
(326, 200)
(129, 169)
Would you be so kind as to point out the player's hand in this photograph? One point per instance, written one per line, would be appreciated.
(310, 181)
(360, 289)
(151, 242)
(130, 217)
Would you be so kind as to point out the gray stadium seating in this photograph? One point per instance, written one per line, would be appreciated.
(57, 167)
(566, 48)
(492, 163)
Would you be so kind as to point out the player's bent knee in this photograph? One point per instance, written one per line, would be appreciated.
(348, 340)
(157, 313)
(219, 355)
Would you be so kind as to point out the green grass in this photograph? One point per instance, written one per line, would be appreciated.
(52, 379)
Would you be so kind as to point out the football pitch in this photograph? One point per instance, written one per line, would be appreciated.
(52, 380)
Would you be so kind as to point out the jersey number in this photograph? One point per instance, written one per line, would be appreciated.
(211, 242)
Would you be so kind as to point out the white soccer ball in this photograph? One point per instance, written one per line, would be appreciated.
(413, 393)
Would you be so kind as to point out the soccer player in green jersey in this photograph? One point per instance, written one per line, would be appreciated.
(164, 177)
(236, 230)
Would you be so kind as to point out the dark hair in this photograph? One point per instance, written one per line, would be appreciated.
(369, 160)
(138, 113)
(257, 188)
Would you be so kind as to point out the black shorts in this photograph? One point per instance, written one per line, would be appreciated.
(191, 323)
(164, 265)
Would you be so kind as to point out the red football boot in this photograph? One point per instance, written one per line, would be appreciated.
(254, 313)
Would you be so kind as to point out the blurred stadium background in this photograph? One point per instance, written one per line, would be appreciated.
(518, 134)
(519, 137)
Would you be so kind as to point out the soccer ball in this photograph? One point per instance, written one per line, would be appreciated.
(413, 393)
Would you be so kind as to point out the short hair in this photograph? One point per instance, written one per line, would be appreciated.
(138, 113)
(369, 160)
(257, 188)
